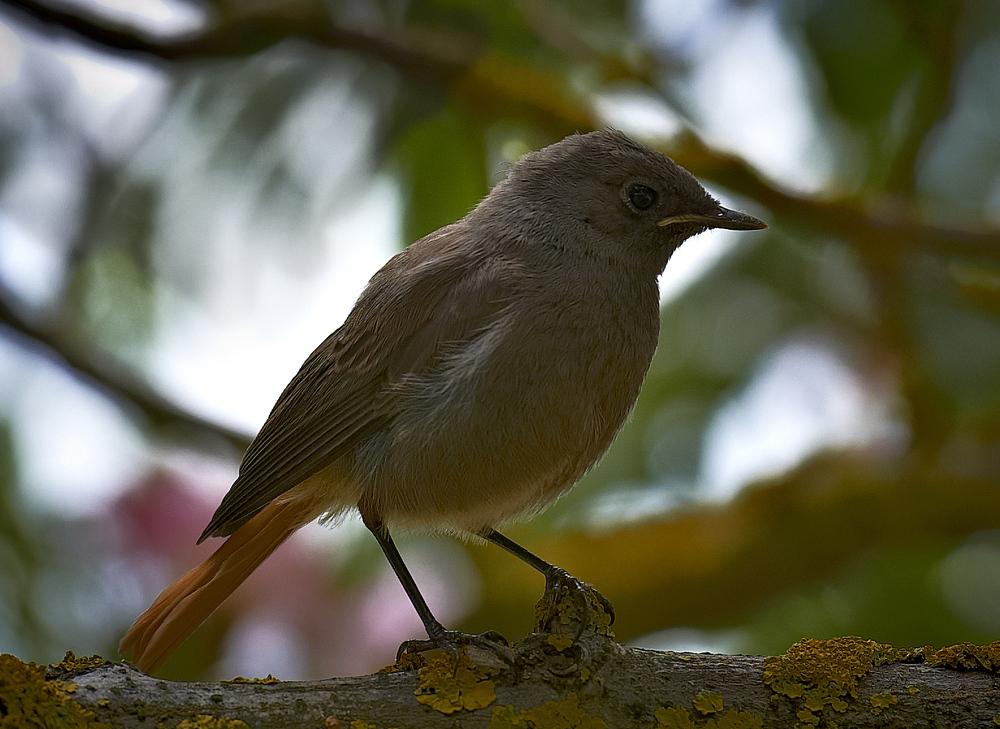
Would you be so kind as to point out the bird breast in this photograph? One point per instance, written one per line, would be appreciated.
(507, 421)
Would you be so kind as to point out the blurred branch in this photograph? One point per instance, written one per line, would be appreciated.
(497, 86)
(246, 35)
(852, 681)
(890, 229)
(115, 379)
(934, 31)
(493, 86)
(808, 525)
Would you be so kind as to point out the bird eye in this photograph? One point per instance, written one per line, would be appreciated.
(642, 197)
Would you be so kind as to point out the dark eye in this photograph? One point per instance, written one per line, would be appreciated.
(642, 196)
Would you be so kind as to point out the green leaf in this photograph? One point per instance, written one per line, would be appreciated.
(443, 164)
(864, 54)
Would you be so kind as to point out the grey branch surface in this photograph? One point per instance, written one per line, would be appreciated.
(621, 687)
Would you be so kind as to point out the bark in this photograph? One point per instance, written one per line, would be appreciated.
(593, 682)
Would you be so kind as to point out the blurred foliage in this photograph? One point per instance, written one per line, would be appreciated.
(21, 559)
(875, 537)
(443, 182)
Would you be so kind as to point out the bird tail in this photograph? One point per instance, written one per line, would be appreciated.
(191, 598)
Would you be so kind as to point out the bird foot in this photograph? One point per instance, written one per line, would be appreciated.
(571, 606)
(485, 645)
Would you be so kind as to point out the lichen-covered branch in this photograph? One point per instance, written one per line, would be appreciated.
(560, 682)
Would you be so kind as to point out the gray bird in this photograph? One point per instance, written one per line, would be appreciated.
(481, 373)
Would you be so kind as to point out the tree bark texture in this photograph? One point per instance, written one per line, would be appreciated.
(558, 682)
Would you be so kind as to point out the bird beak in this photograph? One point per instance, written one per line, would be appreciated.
(721, 218)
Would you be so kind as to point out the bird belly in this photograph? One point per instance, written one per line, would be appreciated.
(491, 434)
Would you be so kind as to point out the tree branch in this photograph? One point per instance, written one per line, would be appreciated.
(246, 35)
(888, 229)
(112, 377)
(493, 85)
(498, 86)
(595, 682)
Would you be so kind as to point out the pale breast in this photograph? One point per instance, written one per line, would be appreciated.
(508, 421)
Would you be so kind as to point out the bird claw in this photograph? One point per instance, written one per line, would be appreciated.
(452, 642)
(554, 607)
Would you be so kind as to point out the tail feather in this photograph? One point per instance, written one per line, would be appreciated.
(184, 604)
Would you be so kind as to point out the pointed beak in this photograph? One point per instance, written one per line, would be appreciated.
(721, 218)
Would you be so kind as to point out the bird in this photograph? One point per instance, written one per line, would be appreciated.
(482, 372)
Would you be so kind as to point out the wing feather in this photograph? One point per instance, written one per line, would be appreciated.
(431, 295)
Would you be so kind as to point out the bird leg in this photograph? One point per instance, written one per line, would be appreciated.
(558, 582)
(438, 636)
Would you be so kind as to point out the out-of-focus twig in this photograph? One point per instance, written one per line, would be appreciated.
(421, 55)
(113, 377)
(936, 34)
(892, 229)
(491, 85)
(494, 85)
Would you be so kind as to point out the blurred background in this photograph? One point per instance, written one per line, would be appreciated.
(192, 195)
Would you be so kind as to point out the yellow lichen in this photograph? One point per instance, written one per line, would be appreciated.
(204, 721)
(28, 699)
(601, 620)
(71, 663)
(505, 718)
(912, 690)
(677, 717)
(407, 662)
(964, 656)
(822, 663)
(882, 701)
(564, 610)
(826, 672)
(741, 720)
(816, 699)
(807, 717)
(449, 689)
(707, 702)
(674, 717)
(241, 679)
(361, 724)
(560, 641)
(566, 714)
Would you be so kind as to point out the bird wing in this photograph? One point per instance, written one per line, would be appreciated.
(433, 294)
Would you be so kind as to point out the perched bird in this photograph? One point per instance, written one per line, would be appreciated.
(482, 371)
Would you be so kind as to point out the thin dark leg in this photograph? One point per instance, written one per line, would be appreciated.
(492, 535)
(439, 636)
(435, 631)
(555, 577)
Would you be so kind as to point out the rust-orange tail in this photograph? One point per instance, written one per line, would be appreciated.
(191, 598)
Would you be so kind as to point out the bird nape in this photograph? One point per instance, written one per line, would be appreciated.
(481, 373)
